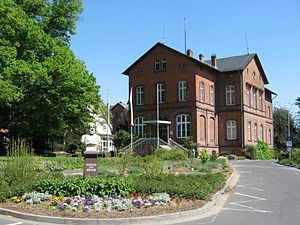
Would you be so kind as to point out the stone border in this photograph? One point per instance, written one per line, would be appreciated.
(178, 216)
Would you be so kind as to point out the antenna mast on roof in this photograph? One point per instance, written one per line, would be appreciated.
(184, 36)
(163, 40)
(247, 43)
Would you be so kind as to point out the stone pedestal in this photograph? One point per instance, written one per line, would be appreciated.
(90, 164)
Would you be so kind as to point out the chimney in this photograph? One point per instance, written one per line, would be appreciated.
(214, 60)
(201, 57)
(189, 52)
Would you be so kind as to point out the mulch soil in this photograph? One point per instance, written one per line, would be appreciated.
(176, 205)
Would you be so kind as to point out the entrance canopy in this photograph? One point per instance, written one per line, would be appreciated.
(157, 121)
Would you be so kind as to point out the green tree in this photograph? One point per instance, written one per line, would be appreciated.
(121, 139)
(189, 144)
(47, 91)
(280, 118)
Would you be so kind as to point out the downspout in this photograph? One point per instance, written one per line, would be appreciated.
(242, 107)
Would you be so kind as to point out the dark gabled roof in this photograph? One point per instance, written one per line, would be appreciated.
(123, 105)
(239, 62)
(233, 63)
(126, 72)
(227, 64)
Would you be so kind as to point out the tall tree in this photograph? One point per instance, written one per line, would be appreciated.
(280, 118)
(45, 91)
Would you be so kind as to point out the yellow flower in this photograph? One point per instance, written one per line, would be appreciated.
(16, 199)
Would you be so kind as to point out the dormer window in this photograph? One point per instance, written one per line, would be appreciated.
(160, 64)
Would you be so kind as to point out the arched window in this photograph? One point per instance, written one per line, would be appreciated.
(269, 136)
(261, 132)
(183, 125)
(202, 128)
(139, 127)
(140, 95)
(202, 92)
(255, 132)
(157, 65)
(163, 63)
(211, 129)
(249, 131)
(248, 95)
(212, 94)
(231, 130)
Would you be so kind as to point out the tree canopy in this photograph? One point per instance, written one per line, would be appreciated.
(280, 117)
(45, 90)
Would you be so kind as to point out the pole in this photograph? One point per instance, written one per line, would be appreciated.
(131, 119)
(107, 134)
(131, 139)
(289, 129)
(157, 117)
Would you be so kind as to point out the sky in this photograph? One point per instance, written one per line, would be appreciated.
(111, 35)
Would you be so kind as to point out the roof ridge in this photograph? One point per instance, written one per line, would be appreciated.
(233, 56)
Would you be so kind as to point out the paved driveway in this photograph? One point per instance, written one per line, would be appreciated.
(266, 194)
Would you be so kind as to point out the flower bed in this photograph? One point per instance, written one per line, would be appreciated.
(97, 207)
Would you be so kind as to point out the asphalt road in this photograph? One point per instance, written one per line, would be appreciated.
(266, 194)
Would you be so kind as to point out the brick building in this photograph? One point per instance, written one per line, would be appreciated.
(119, 116)
(222, 103)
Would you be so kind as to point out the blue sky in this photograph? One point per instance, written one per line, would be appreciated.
(111, 35)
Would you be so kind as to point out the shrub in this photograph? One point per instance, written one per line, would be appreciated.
(18, 174)
(200, 186)
(71, 186)
(151, 167)
(260, 151)
(296, 157)
(249, 151)
(170, 155)
(204, 156)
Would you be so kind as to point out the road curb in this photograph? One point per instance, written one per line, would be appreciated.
(178, 216)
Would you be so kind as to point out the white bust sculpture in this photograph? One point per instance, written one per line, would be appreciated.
(91, 141)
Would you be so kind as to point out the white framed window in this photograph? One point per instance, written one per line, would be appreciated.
(230, 95)
(140, 95)
(183, 125)
(231, 130)
(212, 94)
(161, 93)
(249, 131)
(255, 98)
(139, 127)
(248, 95)
(260, 102)
(255, 132)
(269, 136)
(261, 131)
(182, 91)
(156, 64)
(202, 92)
(163, 63)
(160, 64)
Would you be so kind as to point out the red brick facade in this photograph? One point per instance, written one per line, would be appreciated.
(203, 99)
